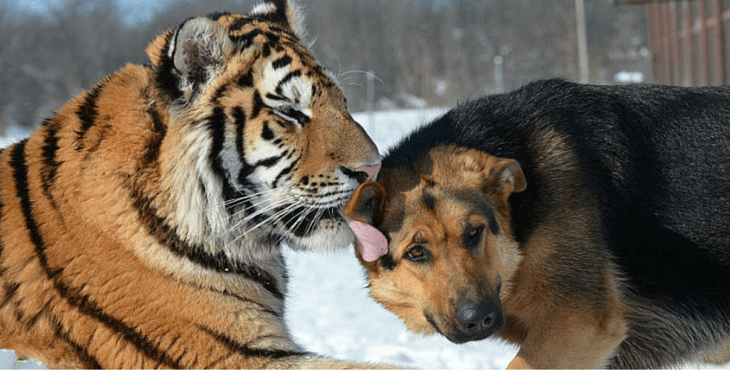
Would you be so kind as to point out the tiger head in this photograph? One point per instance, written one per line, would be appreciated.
(262, 130)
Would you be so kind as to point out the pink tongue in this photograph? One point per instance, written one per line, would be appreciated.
(371, 242)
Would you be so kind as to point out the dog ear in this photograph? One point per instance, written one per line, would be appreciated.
(504, 177)
(368, 203)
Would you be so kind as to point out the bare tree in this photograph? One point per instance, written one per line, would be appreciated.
(437, 51)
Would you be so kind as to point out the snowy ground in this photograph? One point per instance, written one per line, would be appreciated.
(330, 313)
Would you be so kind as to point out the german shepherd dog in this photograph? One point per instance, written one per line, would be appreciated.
(590, 225)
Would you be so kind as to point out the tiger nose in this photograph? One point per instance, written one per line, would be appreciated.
(371, 171)
(362, 173)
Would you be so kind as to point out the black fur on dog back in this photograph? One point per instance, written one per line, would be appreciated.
(658, 161)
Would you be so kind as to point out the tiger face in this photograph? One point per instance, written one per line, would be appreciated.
(285, 153)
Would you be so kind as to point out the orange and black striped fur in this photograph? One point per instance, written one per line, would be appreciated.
(141, 225)
(590, 225)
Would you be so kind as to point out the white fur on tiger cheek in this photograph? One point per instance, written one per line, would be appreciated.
(198, 212)
(297, 91)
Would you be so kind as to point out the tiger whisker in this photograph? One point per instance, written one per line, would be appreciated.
(245, 197)
(302, 216)
(371, 74)
(271, 219)
(248, 218)
(317, 217)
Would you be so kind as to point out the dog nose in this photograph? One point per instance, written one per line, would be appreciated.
(477, 317)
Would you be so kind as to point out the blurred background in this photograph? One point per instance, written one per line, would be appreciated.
(406, 53)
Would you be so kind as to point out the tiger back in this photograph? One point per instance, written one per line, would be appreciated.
(141, 225)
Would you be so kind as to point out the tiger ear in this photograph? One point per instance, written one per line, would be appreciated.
(198, 50)
(285, 12)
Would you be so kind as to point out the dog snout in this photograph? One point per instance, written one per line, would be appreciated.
(478, 318)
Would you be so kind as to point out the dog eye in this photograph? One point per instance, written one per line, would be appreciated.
(473, 237)
(417, 254)
(292, 115)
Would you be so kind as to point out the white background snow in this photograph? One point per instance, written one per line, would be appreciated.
(328, 308)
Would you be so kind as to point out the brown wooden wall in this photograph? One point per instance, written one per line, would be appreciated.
(689, 41)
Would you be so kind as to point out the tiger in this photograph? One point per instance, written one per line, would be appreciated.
(142, 225)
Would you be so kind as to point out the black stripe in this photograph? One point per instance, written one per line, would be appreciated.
(246, 170)
(172, 344)
(266, 51)
(266, 133)
(73, 295)
(258, 105)
(270, 162)
(282, 62)
(220, 92)
(217, 128)
(87, 113)
(261, 307)
(90, 362)
(240, 120)
(152, 148)
(284, 33)
(276, 97)
(247, 38)
(286, 79)
(242, 178)
(283, 173)
(167, 236)
(236, 347)
(10, 289)
(272, 37)
(240, 23)
(246, 80)
(50, 164)
(165, 80)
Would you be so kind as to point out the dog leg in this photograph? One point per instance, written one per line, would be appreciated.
(571, 340)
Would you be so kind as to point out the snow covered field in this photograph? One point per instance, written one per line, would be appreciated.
(330, 313)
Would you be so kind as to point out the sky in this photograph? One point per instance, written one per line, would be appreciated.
(143, 8)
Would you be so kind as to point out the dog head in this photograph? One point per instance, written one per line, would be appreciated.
(451, 252)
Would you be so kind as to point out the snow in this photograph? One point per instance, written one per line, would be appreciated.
(329, 311)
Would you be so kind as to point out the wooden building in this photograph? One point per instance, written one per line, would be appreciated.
(688, 40)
